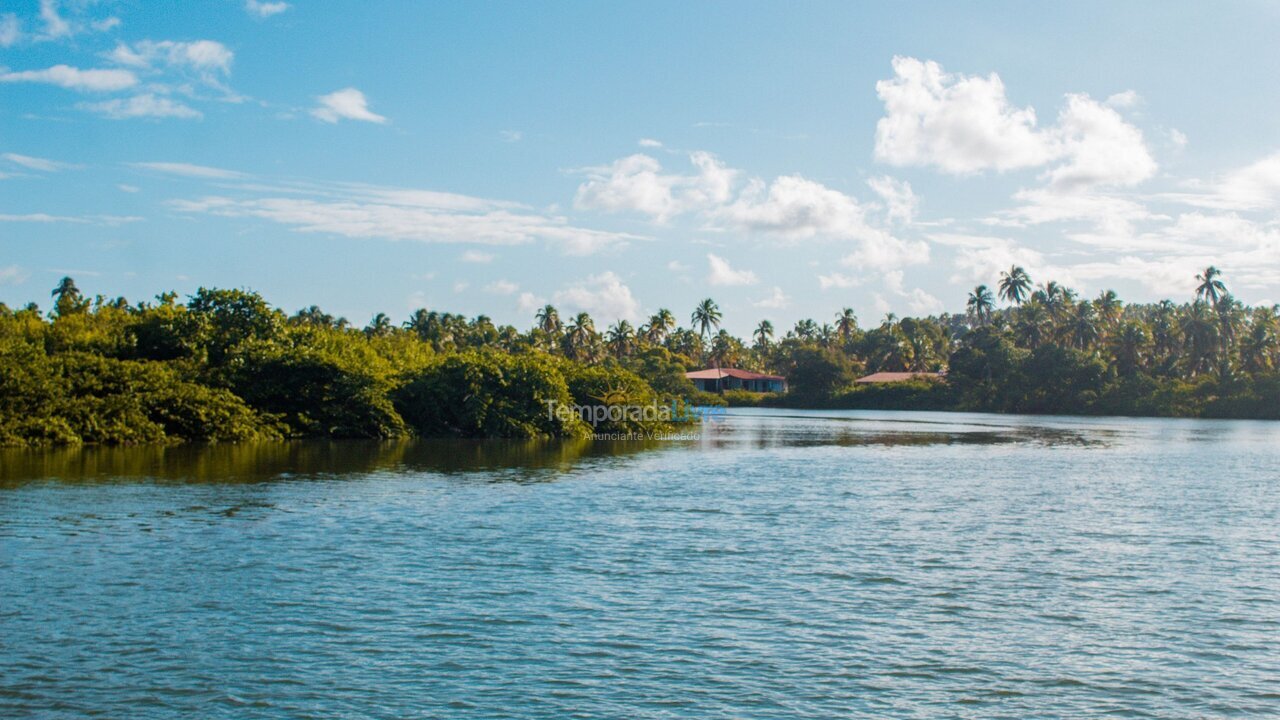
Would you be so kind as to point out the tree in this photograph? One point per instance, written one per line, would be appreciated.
(1014, 285)
(621, 339)
(68, 301)
(380, 326)
(981, 304)
(580, 339)
(1210, 287)
(846, 324)
(706, 317)
(659, 326)
(548, 319)
(763, 334)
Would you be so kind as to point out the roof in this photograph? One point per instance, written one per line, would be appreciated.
(717, 373)
(890, 377)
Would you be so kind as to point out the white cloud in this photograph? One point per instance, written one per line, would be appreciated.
(898, 197)
(1124, 100)
(650, 143)
(919, 301)
(502, 287)
(108, 220)
(837, 280)
(1253, 187)
(360, 211)
(1102, 149)
(604, 296)
(10, 30)
(637, 184)
(721, 274)
(71, 78)
(35, 163)
(678, 267)
(346, 104)
(54, 25)
(475, 256)
(528, 303)
(12, 275)
(262, 9)
(189, 170)
(200, 55)
(981, 258)
(776, 300)
(965, 124)
(511, 136)
(146, 105)
(961, 124)
(461, 286)
(128, 188)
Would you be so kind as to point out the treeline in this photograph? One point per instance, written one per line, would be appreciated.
(225, 365)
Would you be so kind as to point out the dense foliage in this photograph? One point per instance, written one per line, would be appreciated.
(225, 365)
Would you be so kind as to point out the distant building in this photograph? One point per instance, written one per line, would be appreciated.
(720, 379)
(893, 377)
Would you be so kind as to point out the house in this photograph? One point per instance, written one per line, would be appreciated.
(721, 379)
(893, 377)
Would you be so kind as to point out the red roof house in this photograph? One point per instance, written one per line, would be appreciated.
(721, 379)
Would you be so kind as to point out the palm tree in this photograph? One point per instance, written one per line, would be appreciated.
(724, 349)
(69, 300)
(763, 334)
(380, 326)
(1082, 326)
(548, 319)
(1109, 307)
(580, 338)
(806, 329)
(1014, 285)
(1032, 324)
(706, 317)
(981, 304)
(659, 326)
(1129, 347)
(846, 325)
(1210, 287)
(621, 339)
(1200, 335)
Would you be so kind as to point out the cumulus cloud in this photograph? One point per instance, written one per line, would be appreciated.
(721, 274)
(637, 184)
(961, 124)
(650, 143)
(965, 124)
(261, 9)
(900, 201)
(528, 303)
(502, 287)
(1253, 187)
(775, 300)
(200, 55)
(1100, 147)
(604, 296)
(919, 301)
(71, 78)
(346, 104)
(837, 280)
(146, 105)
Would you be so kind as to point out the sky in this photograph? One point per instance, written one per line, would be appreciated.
(786, 160)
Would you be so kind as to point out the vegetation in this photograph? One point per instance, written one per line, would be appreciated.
(227, 366)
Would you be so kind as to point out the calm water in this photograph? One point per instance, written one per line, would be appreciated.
(793, 565)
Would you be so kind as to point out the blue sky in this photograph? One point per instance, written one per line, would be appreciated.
(785, 160)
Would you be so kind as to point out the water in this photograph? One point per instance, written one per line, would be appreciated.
(787, 565)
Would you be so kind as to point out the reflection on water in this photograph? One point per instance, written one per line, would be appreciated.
(525, 459)
(264, 461)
